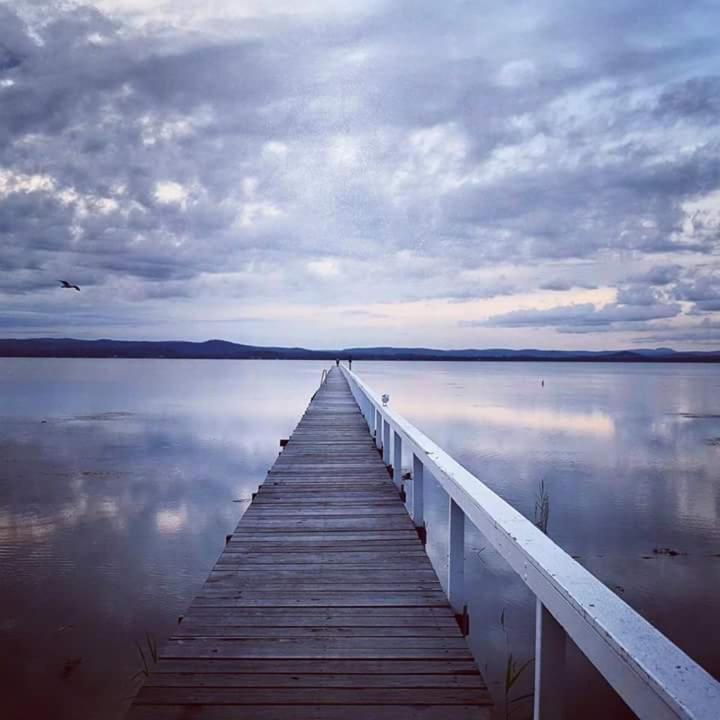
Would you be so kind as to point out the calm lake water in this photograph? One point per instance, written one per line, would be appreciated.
(119, 480)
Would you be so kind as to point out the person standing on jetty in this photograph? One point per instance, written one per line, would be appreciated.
(337, 362)
(349, 362)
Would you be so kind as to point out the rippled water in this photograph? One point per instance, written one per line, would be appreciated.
(118, 482)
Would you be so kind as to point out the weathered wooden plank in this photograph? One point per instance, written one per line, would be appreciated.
(305, 585)
(302, 648)
(299, 645)
(196, 628)
(329, 573)
(359, 538)
(343, 510)
(314, 680)
(282, 495)
(401, 556)
(227, 587)
(227, 575)
(234, 565)
(198, 695)
(318, 666)
(387, 562)
(317, 599)
(342, 523)
(217, 648)
(314, 545)
(357, 616)
(310, 712)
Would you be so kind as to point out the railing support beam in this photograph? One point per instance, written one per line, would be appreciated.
(550, 647)
(397, 460)
(378, 429)
(418, 477)
(386, 441)
(456, 556)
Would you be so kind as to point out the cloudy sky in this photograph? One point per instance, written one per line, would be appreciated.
(324, 173)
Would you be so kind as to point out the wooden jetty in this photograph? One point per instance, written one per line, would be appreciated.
(323, 603)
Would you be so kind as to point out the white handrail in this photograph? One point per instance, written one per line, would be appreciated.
(651, 674)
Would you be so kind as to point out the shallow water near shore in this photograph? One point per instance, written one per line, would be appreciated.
(119, 480)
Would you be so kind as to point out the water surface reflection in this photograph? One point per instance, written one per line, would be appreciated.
(119, 480)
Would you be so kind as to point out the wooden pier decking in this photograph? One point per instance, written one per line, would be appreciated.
(323, 603)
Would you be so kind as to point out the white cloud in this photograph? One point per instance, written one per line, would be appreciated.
(169, 192)
(325, 268)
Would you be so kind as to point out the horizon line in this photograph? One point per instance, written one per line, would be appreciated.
(656, 349)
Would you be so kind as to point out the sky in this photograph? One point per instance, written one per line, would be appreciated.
(358, 173)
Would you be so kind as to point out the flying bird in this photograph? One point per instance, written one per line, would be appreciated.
(70, 286)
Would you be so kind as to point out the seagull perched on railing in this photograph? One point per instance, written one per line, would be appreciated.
(385, 399)
(69, 286)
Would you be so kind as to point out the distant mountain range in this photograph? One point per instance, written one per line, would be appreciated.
(223, 350)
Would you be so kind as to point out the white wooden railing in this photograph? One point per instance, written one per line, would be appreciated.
(652, 675)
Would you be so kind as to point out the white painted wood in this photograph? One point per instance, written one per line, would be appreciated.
(550, 650)
(386, 442)
(397, 459)
(456, 556)
(652, 675)
(418, 492)
(378, 429)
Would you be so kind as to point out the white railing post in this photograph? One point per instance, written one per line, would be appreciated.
(397, 460)
(418, 476)
(550, 645)
(378, 429)
(456, 556)
(386, 442)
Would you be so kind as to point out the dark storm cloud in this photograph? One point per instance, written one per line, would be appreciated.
(557, 285)
(705, 332)
(288, 156)
(560, 285)
(638, 295)
(658, 275)
(702, 288)
(697, 96)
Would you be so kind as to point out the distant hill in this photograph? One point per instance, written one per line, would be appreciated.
(224, 350)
